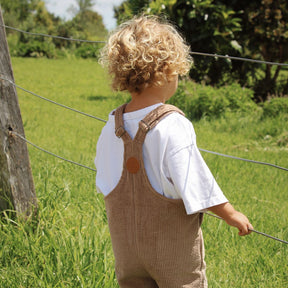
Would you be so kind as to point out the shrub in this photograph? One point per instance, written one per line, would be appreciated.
(240, 99)
(87, 51)
(35, 49)
(207, 104)
(275, 106)
(181, 98)
(210, 102)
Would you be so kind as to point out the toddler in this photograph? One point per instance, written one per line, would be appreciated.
(155, 183)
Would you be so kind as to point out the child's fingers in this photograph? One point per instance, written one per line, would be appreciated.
(245, 230)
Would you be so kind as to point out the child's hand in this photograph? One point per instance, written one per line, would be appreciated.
(233, 218)
(240, 221)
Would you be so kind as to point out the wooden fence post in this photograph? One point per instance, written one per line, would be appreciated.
(17, 189)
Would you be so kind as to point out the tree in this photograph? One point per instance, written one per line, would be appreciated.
(86, 22)
(206, 26)
(240, 28)
(16, 12)
(244, 28)
(267, 34)
(90, 23)
(263, 36)
(42, 18)
(209, 27)
(82, 6)
(129, 8)
(32, 16)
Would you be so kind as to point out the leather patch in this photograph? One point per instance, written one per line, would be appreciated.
(133, 165)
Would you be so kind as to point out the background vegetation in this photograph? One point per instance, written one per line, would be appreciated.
(32, 16)
(252, 29)
(69, 244)
(243, 28)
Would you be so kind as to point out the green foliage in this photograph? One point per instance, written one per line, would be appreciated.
(129, 8)
(250, 29)
(268, 26)
(35, 49)
(206, 105)
(86, 24)
(208, 27)
(18, 11)
(161, 7)
(89, 24)
(181, 98)
(201, 101)
(84, 5)
(43, 18)
(275, 106)
(88, 51)
(265, 36)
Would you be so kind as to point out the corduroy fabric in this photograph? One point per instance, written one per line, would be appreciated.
(155, 242)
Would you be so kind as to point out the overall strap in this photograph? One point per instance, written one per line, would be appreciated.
(120, 131)
(153, 118)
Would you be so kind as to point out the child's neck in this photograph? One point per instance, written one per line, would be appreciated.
(148, 97)
(139, 102)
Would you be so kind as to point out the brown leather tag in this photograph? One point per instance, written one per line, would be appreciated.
(132, 165)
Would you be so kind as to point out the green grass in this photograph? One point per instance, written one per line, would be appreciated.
(69, 246)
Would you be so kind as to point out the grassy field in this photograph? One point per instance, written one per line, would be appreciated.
(70, 244)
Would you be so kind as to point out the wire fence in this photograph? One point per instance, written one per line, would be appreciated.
(193, 52)
(240, 59)
(102, 120)
(252, 230)
(50, 36)
(89, 168)
(51, 101)
(50, 153)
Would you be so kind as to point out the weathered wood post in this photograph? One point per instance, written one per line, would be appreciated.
(16, 183)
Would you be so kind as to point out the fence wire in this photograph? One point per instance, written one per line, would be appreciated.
(51, 101)
(102, 120)
(252, 230)
(239, 59)
(99, 119)
(50, 36)
(94, 170)
(243, 159)
(193, 52)
(50, 153)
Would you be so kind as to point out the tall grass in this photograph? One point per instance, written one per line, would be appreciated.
(69, 244)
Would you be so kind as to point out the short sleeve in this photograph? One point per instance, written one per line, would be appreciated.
(191, 176)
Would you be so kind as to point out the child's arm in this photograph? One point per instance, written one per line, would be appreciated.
(233, 217)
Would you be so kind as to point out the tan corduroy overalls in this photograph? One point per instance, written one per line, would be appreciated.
(155, 243)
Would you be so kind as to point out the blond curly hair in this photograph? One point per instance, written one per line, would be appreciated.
(144, 52)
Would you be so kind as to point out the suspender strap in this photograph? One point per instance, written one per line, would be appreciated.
(120, 131)
(146, 124)
(153, 118)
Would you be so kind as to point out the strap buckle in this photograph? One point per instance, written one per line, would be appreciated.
(145, 127)
(120, 131)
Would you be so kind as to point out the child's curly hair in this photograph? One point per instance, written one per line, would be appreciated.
(145, 52)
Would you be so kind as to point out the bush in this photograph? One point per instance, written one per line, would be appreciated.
(210, 102)
(275, 106)
(35, 49)
(181, 98)
(239, 99)
(207, 104)
(87, 51)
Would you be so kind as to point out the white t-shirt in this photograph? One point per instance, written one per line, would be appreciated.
(173, 163)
